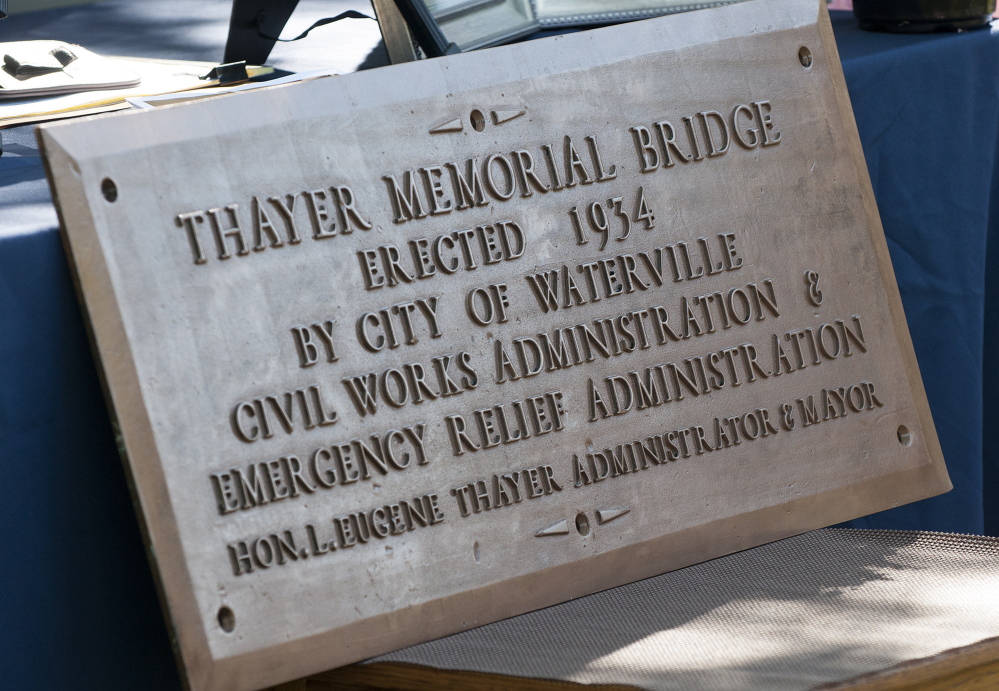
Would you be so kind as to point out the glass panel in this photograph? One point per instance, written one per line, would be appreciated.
(479, 23)
(583, 12)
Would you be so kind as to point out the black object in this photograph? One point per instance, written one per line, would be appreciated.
(228, 73)
(253, 28)
(424, 28)
(22, 70)
(349, 14)
(922, 16)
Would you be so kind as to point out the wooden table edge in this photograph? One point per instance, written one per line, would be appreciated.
(973, 667)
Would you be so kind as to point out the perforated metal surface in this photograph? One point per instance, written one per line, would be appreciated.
(821, 607)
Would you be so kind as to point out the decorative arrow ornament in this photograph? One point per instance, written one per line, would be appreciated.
(609, 514)
(557, 528)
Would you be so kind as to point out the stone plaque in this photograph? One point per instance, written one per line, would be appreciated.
(403, 352)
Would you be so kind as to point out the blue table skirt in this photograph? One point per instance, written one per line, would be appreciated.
(927, 108)
(78, 605)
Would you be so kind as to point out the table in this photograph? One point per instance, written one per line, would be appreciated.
(858, 610)
(78, 600)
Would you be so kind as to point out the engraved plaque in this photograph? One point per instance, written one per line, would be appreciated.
(403, 352)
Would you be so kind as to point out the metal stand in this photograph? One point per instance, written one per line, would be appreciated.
(248, 20)
(254, 24)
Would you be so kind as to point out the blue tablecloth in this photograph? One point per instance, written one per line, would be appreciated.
(78, 604)
(927, 108)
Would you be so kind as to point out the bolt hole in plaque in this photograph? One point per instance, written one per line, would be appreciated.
(476, 553)
(805, 57)
(904, 436)
(582, 524)
(227, 619)
(478, 120)
(109, 189)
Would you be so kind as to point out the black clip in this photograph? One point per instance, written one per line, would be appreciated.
(229, 73)
(21, 70)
